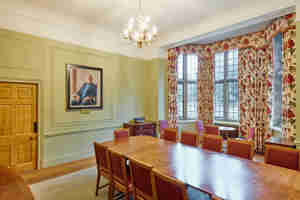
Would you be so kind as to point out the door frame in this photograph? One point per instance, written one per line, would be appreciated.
(38, 83)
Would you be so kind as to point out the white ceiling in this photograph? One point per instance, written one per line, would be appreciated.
(169, 15)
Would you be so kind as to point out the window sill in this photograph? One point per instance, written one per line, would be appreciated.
(227, 123)
(276, 129)
(188, 121)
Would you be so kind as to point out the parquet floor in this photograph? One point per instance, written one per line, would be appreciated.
(36, 176)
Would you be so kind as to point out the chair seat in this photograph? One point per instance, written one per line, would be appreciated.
(105, 174)
(194, 194)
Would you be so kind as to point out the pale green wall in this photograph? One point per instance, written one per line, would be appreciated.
(67, 136)
(155, 89)
(298, 85)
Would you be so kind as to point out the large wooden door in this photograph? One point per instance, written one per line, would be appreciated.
(18, 115)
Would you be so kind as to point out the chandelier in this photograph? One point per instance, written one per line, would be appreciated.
(139, 30)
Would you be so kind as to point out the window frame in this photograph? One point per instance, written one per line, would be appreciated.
(276, 61)
(225, 82)
(185, 82)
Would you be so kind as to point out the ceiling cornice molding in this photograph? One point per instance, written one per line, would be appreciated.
(190, 33)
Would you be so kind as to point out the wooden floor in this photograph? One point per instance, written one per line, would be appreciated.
(36, 176)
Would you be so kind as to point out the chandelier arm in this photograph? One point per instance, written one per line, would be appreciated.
(140, 5)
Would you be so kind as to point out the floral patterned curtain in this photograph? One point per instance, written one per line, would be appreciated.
(247, 73)
(254, 92)
(205, 90)
(172, 89)
(289, 83)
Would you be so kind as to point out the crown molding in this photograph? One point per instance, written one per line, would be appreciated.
(216, 27)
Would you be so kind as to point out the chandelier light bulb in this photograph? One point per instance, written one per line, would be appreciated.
(147, 19)
(131, 20)
(154, 30)
(126, 33)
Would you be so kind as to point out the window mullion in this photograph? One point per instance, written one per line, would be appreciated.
(225, 86)
(185, 99)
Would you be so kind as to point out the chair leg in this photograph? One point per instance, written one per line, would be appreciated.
(127, 195)
(111, 191)
(98, 183)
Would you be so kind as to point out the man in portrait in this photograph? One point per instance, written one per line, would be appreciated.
(87, 93)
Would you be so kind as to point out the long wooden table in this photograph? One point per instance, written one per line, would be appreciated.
(225, 176)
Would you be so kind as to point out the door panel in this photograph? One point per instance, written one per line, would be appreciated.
(5, 120)
(5, 154)
(24, 120)
(18, 113)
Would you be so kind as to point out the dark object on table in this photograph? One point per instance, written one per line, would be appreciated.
(228, 132)
(145, 128)
(139, 119)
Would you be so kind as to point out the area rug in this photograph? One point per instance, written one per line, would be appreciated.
(76, 186)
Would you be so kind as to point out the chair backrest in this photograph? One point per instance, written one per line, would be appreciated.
(118, 168)
(251, 134)
(162, 125)
(240, 148)
(141, 180)
(189, 138)
(102, 160)
(199, 126)
(165, 187)
(211, 130)
(283, 157)
(121, 133)
(212, 142)
(170, 134)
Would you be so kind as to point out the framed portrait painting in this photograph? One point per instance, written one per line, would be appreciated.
(84, 87)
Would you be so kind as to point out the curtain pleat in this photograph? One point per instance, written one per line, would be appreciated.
(289, 84)
(172, 87)
(254, 93)
(205, 90)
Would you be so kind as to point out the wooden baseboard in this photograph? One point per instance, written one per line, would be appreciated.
(36, 176)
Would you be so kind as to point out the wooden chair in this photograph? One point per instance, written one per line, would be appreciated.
(103, 165)
(211, 130)
(240, 148)
(212, 142)
(170, 134)
(121, 133)
(141, 180)
(199, 127)
(282, 156)
(189, 138)
(163, 124)
(120, 178)
(165, 187)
